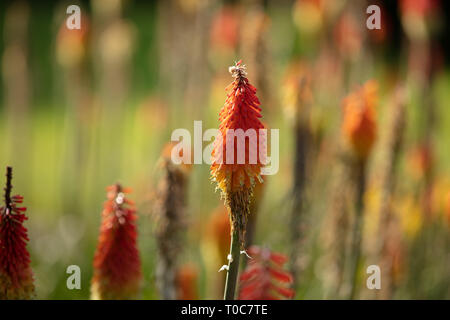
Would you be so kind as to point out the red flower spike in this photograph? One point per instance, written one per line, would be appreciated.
(117, 265)
(16, 277)
(264, 278)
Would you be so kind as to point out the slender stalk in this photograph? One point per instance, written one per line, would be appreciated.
(388, 179)
(357, 228)
(233, 266)
(298, 207)
(8, 189)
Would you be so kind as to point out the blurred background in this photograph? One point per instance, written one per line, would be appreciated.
(84, 109)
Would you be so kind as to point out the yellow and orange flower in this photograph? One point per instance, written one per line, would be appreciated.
(236, 178)
(359, 125)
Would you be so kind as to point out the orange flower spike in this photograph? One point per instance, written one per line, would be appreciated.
(16, 277)
(117, 265)
(359, 125)
(235, 179)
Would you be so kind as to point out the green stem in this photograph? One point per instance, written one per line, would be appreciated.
(357, 228)
(233, 266)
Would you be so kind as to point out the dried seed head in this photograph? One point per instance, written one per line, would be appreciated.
(171, 221)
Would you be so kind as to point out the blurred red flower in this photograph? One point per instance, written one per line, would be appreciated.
(117, 265)
(264, 278)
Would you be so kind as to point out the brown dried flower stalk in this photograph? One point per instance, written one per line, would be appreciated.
(298, 101)
(387, 181)
(171, 222)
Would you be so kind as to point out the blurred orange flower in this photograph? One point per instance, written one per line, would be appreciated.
(420, 160)
(359, 125)
(186, 281)
(219, 230)
(264, 278)
(420, 17)
(348, 36)
(419, 7)
(166, 157)
(225, 29)
(71, 44)
(309, 15)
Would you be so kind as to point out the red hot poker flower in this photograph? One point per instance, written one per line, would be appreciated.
(264, 278)
(16, 277)
(239, 149)
(117, 265)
